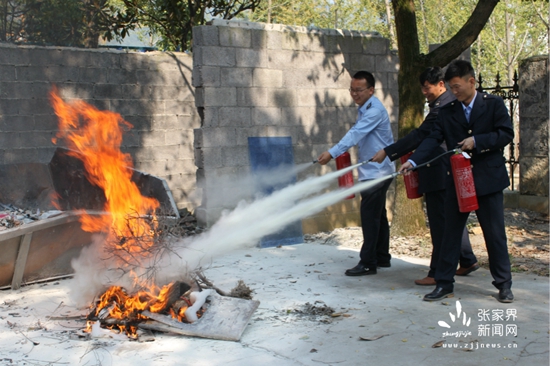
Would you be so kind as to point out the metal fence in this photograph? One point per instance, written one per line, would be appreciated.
(510, 95)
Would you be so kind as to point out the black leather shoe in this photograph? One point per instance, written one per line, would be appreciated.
(384, 264)
(505, 295)
(360, 270)
(438, 294)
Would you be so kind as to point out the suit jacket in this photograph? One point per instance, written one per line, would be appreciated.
(430, 178)
(492, 130)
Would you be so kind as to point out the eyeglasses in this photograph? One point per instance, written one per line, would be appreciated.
(357, 91)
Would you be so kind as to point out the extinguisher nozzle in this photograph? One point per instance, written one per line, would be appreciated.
(315, 161)
(366, 161)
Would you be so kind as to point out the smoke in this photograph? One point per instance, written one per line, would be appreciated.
(94, 273)
(240, 228)
(227, 189)
(250, 221)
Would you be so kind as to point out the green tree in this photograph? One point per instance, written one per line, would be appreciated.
(55, 22)
(11, 20)
(370, 15)
(52, 22)
(515, 30)
(171, 20)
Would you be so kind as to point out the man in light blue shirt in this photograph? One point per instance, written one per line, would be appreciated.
(370, 133)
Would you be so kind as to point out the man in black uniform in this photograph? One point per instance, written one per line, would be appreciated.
(480, 124)
(431, 179)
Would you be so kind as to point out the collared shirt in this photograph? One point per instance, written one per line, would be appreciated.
(471, 105)
(371, 132)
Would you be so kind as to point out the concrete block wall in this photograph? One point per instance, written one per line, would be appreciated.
(152, 91)
(266, 80)
(534, 112)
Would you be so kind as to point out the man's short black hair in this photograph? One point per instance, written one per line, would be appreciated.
(461, 69)
(365, 75)
(432, 75)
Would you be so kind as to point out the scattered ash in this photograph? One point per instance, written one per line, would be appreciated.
(319, 311)
(241, 291)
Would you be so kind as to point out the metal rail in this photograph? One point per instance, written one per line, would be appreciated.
(509, 94)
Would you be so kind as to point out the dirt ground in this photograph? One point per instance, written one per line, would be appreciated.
(527, 233)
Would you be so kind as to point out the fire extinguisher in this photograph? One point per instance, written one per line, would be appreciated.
(464, 183)
(411, 180)
(346, 180)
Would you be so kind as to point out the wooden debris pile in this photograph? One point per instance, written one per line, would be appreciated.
(176, 309)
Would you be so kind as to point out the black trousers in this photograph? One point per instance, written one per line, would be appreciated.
(435, 205)
(491, 219)
(374, 222)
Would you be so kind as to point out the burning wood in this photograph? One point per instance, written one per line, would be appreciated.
(225, 319)
(116, 308)
(176, 310)
(136, 236)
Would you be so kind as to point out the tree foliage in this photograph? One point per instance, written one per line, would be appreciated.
(515, 30)
(348, 14)
(57, 22)
(52, 22)
(172, 21)
(11, 21)
(81, 22)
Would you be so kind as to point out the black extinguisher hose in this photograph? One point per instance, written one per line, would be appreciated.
(434, 159)
(457, 149)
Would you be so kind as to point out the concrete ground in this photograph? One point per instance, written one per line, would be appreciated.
(382, 318)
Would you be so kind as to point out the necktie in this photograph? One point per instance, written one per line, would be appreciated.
(467, 113)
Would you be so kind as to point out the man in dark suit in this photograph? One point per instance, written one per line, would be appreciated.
(479, 124)
(431, 179)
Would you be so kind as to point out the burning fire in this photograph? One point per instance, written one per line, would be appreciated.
(94, 137)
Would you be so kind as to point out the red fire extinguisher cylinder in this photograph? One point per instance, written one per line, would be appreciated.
(411, 180)
(464, 183)
(346, 180)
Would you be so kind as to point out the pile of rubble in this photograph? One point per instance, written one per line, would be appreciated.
(11, 216)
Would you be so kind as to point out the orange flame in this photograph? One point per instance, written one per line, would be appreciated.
(128, 308)
(94, 137)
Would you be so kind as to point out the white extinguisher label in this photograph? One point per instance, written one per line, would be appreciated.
(465, 182)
